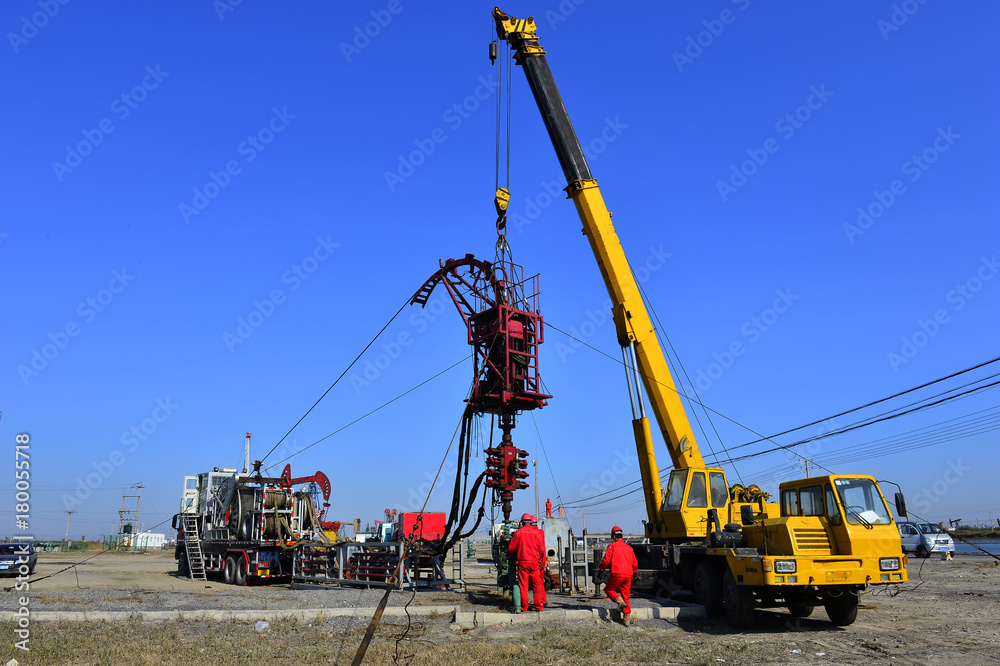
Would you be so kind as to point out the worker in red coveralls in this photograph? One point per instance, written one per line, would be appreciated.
(540, 535)
(548, 507)
(528, 549)
(620, 559)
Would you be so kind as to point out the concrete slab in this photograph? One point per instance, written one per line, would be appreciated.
(462, 618)
(250, 615)
(467, 619)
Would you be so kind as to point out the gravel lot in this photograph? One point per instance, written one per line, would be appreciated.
(948, 613)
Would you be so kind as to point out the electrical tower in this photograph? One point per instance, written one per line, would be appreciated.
(128, 517)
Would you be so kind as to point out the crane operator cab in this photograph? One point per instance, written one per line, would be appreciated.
(691, 493)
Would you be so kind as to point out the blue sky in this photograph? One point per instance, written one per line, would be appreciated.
(812, 183)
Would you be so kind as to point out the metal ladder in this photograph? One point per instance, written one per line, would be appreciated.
(458, 564)
(192, 546)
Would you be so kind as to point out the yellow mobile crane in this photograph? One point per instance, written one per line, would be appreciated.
(828, 538)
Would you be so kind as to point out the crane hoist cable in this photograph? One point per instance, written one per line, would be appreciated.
(660, 333)
(502, 197)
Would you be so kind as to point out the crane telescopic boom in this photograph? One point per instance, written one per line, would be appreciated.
(642, 353)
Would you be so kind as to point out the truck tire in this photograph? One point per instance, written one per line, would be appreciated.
(738, 601)
(245, 527)
(708, 588)
(241, 571)
(182, 566)
(843, 610)
(922, 552)
(801, 611)
(229, 572)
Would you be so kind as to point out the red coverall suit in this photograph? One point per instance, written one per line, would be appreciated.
(620, 558)
(528, 548)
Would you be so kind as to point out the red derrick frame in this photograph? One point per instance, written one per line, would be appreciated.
(500, 311)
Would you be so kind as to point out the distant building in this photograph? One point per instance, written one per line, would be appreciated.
(144, 540)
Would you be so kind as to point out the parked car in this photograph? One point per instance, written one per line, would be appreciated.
(14, 555)
(924, 539)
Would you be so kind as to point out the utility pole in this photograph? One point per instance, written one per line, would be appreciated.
(69, 514)
(805, 466)
(536, 486)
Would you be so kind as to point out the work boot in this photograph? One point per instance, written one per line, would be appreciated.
(620, 601)
(627, 619)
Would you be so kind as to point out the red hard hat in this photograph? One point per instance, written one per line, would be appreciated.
(526, 517)
(616, 529)
(534, 520)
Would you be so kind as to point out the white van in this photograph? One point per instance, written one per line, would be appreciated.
(924, 539)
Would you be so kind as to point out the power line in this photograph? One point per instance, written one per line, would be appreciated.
(789, 446)
(871, 421)
(886, 416)
(880, 400)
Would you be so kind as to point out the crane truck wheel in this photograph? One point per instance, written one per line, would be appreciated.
(241, 572)
(738, 600)
(182, 566)
(843, 610)
(801, 611)
(229, 572)
(708, 588)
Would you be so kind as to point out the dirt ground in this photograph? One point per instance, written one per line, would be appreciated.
(948, 613)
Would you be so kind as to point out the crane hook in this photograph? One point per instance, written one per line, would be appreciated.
(500, 201)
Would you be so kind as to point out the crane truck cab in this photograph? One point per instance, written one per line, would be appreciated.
(834, 537)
